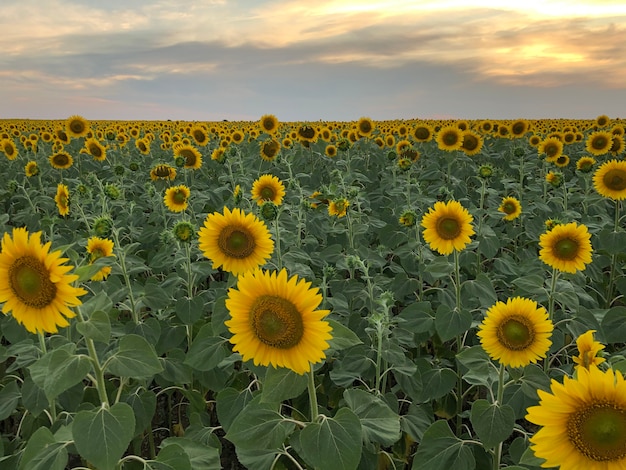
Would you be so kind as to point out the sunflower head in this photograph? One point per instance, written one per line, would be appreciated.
(585, 164)
(76, 126)
(449, 138)
(61, 160)
(365, 126)
(338, 207)
(511, 208)
(184, 231)
(269, 150)
(62, 199)
(599, 143)
(98, 248)
(268, 124)
(516, 333)
(192, 156)
(31, 169)
(408, 218)
(567, 247)
(275, 321)
(554, 178)
(588, 350)
(485, 171)
(447, 227)
(268, 188)
(609, 179)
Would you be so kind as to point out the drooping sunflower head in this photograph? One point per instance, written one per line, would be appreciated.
(554, 178)
(163, 172)
(583, 422)
(408, 218)
(184, 231)
(338, 207)
(516, 333)
(193, 158)
(449, 138)
(35, 286)
(599, 143)
(447, 227)
(268, 188)
(62, 199)
(176, 198)
(31, 169)
(76, 126)
(96, 149)
(99, 248)
(588, 350)
(274, 320)
(235, 241)
(567, 247)
(609, 179)
(269, 150)
(268, 123)
(511, 207)
(61, 160)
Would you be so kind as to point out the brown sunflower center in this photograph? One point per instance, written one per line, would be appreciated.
(365, 127)
(599, 142)
(448, 228)
(516, 333)
(598, 431)
(77, 127)
(199, 136)
(509, 207)
(551, 150)
(422, 133)
(60, 159)
(30, 282)
(267, 193)
(470, 142)
(95, 150)
(276, 322)
(236, 242)
(268, 124)
(450, 138)
(566, 248)
(270, 149)
(615, 179)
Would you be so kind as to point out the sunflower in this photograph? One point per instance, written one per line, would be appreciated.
(519, 128)
(585, 164)
(96, 150)
(176, 198)
(562, 161)
(599, 142)
(31, 168)
(268, 123)
(163, 172)
(98, 248)
(422, 133)
(448, 227)
(269, 150)
(365, 126)
(235, 241)
(609, 179)
(516, 333)
(274, 320)
(338, 207)
(34, 284)
(583, 422)
(511, 207)
(7, 146)
(199, 134)
(330, 151)
(603, 121)
(588, 350)
(554, 178)
(552, 147)
(61, 160)
(76, 126)
(449, 138)
(566, 247)
(268, 188)
(193, 157)
(62, 199)
(472, 143)
(617, 145)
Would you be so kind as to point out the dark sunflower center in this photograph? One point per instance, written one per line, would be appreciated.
(199, 136)
(599, 143)
(236, 242)
(276, 322)
(189, 156)
(516, 333)
(615, 179)
(95, 150)
(551, 149)
(518, 128)
(61, 159)
(566, 248)
(267, 193)
(422, 133)
(30, 282)
(179, 197)
(450, 138)
(509, 207)
(448, 228)
(470, 142)
(77, 127)
(599, 431)
(268, 124)
(270, 149)
(365, 127)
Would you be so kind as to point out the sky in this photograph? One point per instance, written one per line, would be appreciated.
(307, 61)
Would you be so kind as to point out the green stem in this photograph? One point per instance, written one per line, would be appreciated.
(312, 396)
(44, 350)
(497, 453)
(379, 354)
(609, 288)
(279, 256)
(121, 256)
(97, 367)
(555, 275)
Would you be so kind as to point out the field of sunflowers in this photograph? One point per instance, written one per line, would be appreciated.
(410, 294)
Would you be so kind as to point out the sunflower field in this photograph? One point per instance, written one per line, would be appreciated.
(410, 294)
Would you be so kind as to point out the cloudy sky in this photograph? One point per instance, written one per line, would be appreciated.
(304, 60)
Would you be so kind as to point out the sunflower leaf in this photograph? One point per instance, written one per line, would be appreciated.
(440, 449)
(281, 384)
(450, 323)
(379, 423)
(59, 370)
(135, 358)
(492, 422)
(343, 337)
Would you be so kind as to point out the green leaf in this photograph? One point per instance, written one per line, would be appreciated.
(97, 327)
(134, 358)
(101, 436)
(481, 289)
(612, 242)
(334, 442)
(229, 403)
(281, 384)
(529, 459)
(207, 350)
(143, 404)
(450, 323)
(259, 426)
(614, 325)
(9, 398)
(189, 310)
(477, 368)
(437, 382)
(343, 337)
(440, 449)
(492, 422)
(174, 457)
(99, 302)
(43, 452)
(59, 370)
(201, 456)
(419, 317)
(416, 421)
(378, 422)
(33, 397)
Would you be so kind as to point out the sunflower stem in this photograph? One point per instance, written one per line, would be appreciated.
(97, 367)
(459, 344)
(121, 256)
(279, 256)
(483, 189)
(609, 288)
(497, 452)
(555, 275)
(312, 395)
(44, 350)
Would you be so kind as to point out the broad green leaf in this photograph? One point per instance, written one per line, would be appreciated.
(201, 456)
(259, 426)
(281, 384)
(99, 302)
(440, 449)
(476, 366)
(612, 242)
(481, 289)
(437, 382)
(175, 457)
(135, 358)
(43, 452)
(143, 403)
(229, 403)
(416, 421)
(189, 310)
(9, 398)
(529, 459)
(419, 317)
(333, 442)
(378, 422)
(59, 370)
(101, 436)
(97, 327)
(450, 323)
(207, 350)
(614, 325)
(33, 397)
(258, 459)
(492, 422)
(343, 337)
